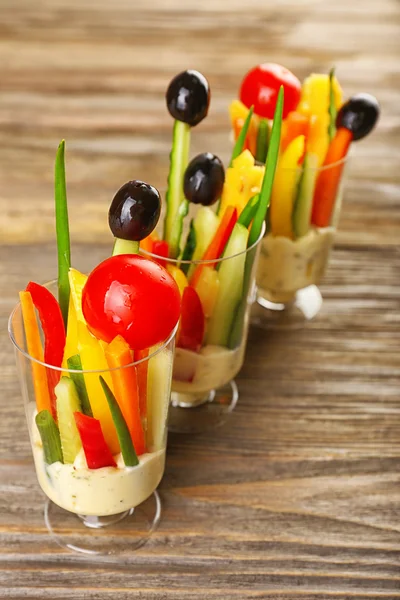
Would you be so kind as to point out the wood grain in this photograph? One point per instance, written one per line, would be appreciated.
(298, 495)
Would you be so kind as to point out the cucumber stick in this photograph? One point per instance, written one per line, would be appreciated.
(231, 274)
(50, 437)
(249, 211)
(304, 198)
(262, 141)
(189, 248)
(205, 225)
(75, 364)
(124, 437)
(67, 402)
(125, 247)
(177, 205)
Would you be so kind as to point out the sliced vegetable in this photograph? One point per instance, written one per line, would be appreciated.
(93, 359)
(189, 248)
(191, 328)
(249, 211)
(35, 350)
(74, 363)
(119, 357)
(179, 276)
(238, 114)
(50, 437)
(218, 243)
(207, 288)
(177, 205)
(332, 106)
(262, 141)
(305, 194)
(243, 181)
(53, 331)
(147, 243)
(62, 231)
(241, 139)
(158, 395)
(77, 282)
(315, 94)
(160, 248)
(269, 175)
(231, 274)
(141, 374)
(296, 124)
(318, 139)
(284, 190)
(67, 404)
(205, 225)
(96, 451)
(128, 451)
(328, 180)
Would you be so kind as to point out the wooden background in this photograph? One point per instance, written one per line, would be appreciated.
(298, 496)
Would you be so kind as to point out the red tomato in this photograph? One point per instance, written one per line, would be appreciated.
(131, 296)
(260, 88)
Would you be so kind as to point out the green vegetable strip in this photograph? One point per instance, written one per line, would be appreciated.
(261, 214)
(262, 141)
(239, 145)
(249, 211)
(269, 175)
(189, 248)
(124, 437)
(177, 205)
(74, 363)
(125, 247)
(62, 231)
(50, 436)
(332, 106)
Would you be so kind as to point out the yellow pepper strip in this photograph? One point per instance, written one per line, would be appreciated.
(318, 137)
(158, 393)
(179, 276)
(93, 358)
(284, 190)
(207, 288)
(315, 97)
(242, 182)
(77, 282)
(35, 349)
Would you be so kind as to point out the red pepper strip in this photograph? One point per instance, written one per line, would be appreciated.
(54, 333)
(160, 248)
(329, 178)
(191, 329)
(141, 373)
(218, 243)
(96, 451)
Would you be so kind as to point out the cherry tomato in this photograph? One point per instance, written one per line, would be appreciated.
(260, 88)
(131, 296)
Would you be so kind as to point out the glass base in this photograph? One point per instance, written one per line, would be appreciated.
(305, 305)
(115, 534)
(197, 413)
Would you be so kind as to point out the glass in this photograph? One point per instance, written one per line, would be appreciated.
(110, 509)
(290, 270)
(204, 392)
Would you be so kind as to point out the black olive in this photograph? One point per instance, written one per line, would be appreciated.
(359, 115)
(188, 97)
(134, 211)
(204, 179)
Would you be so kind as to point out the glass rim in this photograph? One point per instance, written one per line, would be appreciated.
(213, 261)
(337, 163)
(134, 363)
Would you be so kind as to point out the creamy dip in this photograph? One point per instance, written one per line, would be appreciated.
(211, 368)
(99, 492)
(286, 266)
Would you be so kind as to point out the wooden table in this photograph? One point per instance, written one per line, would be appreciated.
(297, 497)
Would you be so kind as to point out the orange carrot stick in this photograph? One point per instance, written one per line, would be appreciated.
(295, 124)
(141, 371)
(329, 178)
(35, 349)
(218, 243)
(118, 354)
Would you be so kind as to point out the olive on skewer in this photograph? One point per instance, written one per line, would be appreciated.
(204, 179)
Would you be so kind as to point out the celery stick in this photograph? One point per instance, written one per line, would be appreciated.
(249, 211)
(67, 400)
(124, 437)
(74, 363)
(177, 205)
(50, 437)
(262, 141)
(125, 247)
(230, 274)
(332, 106)
(62, 231)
